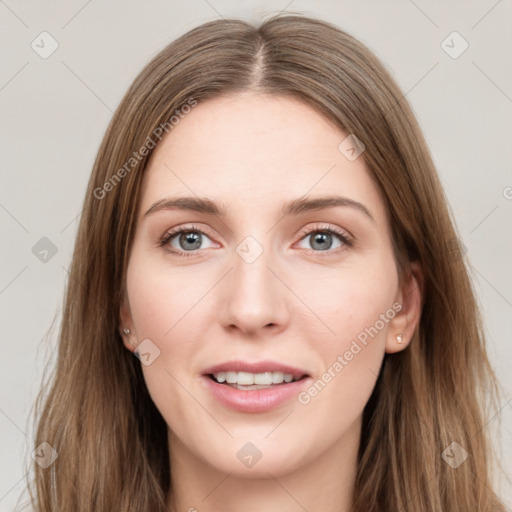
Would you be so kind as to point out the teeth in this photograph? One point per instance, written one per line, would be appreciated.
(277, 377)
(220, 377)
(264, 379)
(249, 379)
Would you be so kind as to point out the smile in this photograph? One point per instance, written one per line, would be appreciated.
(254, 387)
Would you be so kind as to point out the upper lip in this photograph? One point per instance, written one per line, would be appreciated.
(255, 367)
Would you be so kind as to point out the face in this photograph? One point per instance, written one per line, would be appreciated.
(265, 288)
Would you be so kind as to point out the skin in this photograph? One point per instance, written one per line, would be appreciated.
(294, 304)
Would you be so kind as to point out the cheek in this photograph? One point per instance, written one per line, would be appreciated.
(162, 297)
(356, 308)
(164, 304)
(355, 300)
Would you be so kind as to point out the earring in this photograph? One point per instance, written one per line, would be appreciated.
(399, 338)
(127, 331)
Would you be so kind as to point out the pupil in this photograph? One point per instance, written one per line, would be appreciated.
(322, 238)
(190, 237)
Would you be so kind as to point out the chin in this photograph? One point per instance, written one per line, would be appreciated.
(258, 458)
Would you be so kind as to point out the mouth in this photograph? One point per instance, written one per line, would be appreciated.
(254, 387)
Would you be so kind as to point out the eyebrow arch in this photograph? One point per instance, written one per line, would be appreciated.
(295, 207)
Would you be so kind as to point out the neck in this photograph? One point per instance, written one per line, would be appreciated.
(324, 484)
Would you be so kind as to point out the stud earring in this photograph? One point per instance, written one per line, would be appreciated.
(127, 331)
(399, 338)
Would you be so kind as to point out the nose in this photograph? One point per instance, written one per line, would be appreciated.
(255, 298)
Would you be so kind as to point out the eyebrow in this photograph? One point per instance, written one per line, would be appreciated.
(295, 207)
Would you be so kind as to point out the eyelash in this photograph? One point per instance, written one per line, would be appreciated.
(327, 228)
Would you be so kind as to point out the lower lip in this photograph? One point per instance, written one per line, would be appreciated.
(258, 400)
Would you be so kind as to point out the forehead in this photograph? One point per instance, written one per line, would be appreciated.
(255, 152)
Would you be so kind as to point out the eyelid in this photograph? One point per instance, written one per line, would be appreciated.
(325, 226)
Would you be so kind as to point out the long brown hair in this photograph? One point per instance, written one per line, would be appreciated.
(98, 414)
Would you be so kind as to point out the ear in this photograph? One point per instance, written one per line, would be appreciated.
(405, 322)
(126, 322)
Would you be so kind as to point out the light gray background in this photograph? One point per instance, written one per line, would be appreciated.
(55, 112)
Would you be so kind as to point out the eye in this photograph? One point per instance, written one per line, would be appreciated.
(326, 239)
(185, 240)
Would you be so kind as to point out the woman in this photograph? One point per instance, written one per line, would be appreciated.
(317, 346)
